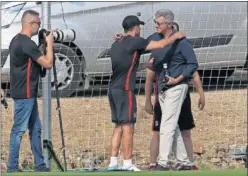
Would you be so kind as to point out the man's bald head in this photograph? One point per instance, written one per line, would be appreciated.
(29, 16)
(31, 22)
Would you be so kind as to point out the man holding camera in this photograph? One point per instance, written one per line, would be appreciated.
(26, 61)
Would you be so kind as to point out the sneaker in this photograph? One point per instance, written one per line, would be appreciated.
(194, 167)
(171, 164)
(42, 168)
(114, 168)
(131, 168)
(13, 170)
(183, 166)
(151, 167)
(162, 168)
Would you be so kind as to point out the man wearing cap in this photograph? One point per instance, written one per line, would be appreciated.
(125, 54)
(181, 64)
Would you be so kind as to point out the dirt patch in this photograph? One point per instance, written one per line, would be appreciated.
(88, 128)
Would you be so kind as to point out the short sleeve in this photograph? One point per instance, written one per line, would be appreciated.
(31, 50)
(140, 44)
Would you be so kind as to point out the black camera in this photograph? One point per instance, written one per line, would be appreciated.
(61, 35)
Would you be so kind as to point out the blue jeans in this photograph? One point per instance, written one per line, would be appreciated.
(26, 116)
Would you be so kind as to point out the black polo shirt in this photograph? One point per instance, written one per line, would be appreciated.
(125, 55)
(24, 70)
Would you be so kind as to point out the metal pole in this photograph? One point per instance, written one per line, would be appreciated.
(46, 87)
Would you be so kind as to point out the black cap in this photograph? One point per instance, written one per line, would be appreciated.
(131, 21)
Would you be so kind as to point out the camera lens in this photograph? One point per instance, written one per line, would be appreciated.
(65, 35)
(62, 35)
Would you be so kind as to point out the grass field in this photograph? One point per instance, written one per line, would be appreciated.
(238, 172)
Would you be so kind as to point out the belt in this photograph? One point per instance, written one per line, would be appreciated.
(166, 87)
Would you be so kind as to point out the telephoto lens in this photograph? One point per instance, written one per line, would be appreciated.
(64, 35)
(60, 35)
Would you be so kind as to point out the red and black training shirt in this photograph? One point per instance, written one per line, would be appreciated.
(125, 55)
(24, 70)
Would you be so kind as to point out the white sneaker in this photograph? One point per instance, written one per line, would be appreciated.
(131, 168)
(114, 168)
(184, 166)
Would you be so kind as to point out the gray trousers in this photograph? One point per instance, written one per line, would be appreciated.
(171, 102)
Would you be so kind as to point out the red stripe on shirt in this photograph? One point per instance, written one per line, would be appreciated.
(28, 78)
(127, 84)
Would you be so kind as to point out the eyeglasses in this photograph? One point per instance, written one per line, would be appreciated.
(32, 22)
(158, 23)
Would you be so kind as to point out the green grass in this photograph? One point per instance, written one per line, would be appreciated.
(238, 172)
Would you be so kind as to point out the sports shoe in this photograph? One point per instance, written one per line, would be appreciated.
(42, 168)
(194, 167)
(162, 168)
(13, 170)
(131, 168)
(151, 167)
(114, 168)
(171, 164)
(183, 166)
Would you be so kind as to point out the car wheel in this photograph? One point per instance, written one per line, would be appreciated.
(69, 69)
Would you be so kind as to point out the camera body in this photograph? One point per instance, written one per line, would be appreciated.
(60, 35)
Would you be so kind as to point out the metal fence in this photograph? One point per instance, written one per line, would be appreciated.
(220, 128)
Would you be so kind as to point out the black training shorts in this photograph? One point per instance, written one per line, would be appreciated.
(123, 106)
(186, 120)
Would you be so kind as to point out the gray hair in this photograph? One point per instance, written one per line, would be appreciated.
(167, 14)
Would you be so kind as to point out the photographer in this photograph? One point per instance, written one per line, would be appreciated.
(26, 61)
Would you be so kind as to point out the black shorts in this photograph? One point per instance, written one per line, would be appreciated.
(186, 120)
(123, 106)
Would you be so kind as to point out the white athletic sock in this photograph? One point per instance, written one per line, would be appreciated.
(113, 161)
(127, 163)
